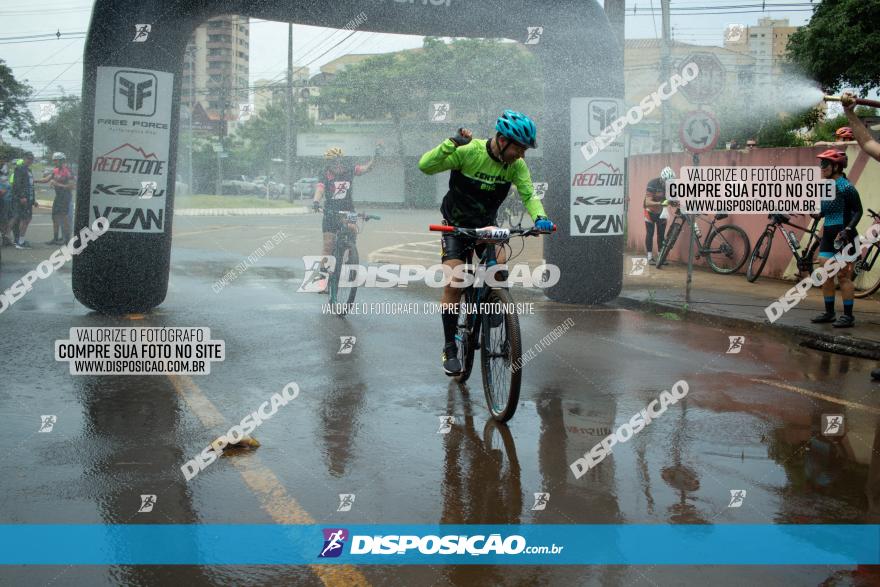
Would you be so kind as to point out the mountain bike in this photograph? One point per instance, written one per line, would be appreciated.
(346, 258)
(487, 320)
(865, 280)
(805, 261)
(726, 247)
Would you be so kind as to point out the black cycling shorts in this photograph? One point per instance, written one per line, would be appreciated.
(826, 245)
(459, 247)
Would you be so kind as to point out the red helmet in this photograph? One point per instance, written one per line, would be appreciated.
(845, 133)
(835, 156)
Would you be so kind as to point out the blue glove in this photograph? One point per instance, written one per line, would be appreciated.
(544, 224)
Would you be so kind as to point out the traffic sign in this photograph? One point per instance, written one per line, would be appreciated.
(709, 83)
(699, 131)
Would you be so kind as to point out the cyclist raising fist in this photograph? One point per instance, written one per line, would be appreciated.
(481, 174)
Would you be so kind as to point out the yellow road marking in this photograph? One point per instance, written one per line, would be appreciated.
(816, 394)
(269, 490)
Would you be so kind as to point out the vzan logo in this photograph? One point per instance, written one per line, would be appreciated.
(134, 93)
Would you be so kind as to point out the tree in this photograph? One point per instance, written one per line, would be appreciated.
(263, 137)
(61, 132)
(840, 44)
(15, 118)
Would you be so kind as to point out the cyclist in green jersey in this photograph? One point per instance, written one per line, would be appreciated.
(480, 178)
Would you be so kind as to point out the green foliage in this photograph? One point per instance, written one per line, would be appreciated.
(262, 138)
(479, 77)
(15, 118)
(824, 131)
(8, 152)
(840, 45)
(61, 132)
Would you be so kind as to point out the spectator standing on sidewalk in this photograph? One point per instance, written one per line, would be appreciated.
(866, 141)
(655, 212)
(23, 200)
(842, 215)
(62, 180)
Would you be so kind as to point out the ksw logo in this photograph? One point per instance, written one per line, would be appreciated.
(340, 189)
(602, 112)
(594, 201)
(135, 93)
(141, 32)
(145, 218)
(599, 223)
(533, 35)
(117, 190)
(599, 175)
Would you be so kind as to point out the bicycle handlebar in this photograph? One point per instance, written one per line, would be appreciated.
(490, 233)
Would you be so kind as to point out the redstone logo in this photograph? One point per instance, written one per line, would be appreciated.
(128, 158)
(599, 175)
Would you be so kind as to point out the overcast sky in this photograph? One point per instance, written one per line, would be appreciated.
(58, 62)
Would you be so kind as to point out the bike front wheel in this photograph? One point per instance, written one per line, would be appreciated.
(866, 278)
(759, 256)
(501, 356)
(668, 243)
(729, 249)
(342, 293)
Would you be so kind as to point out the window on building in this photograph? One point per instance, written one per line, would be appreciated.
(215, 78)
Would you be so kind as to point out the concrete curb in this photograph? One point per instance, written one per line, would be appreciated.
(241, 211)
(841, 344)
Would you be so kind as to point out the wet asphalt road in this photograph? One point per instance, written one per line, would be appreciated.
(366, 423)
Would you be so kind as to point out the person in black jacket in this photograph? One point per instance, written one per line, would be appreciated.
(23, 201)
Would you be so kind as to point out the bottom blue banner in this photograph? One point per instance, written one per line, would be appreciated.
(440, 544)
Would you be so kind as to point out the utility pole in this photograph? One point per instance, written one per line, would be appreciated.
(665, 72)
(221, 132)
(192, 109)
(288, 158)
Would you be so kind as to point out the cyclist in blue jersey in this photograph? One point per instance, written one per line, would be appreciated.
(842, 215)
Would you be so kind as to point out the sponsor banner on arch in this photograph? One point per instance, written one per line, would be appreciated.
(132, 139)
(597, 185)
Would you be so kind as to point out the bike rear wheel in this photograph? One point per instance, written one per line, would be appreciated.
(730, 249)
(465, 338)
(866, 277)
(500, 357)
(345, 272)
(759, 255)
(668, 243)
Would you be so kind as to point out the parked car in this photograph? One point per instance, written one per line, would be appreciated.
(275, 189)
(305, 187)
(240, 186)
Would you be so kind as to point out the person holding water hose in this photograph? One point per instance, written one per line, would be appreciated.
(842, 215)
(868, 144)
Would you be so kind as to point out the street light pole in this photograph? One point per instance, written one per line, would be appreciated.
(289, 134)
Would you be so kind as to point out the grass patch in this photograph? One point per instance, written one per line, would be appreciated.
(204, 201)
(670, 316)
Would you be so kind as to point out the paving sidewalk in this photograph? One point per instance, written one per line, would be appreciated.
(731, 301)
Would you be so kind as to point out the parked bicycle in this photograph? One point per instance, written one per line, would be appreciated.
(805, 257)
(865, 279)
(495, 333)
(345, 253)
(725, 247)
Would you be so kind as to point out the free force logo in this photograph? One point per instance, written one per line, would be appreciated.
(334, 541)
(134, 93)
(602, 112)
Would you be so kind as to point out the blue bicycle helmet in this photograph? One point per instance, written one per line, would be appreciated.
(517, 127)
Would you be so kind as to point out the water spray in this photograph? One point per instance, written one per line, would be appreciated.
(858, 101)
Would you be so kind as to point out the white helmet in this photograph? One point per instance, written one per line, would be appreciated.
(667, 173)
(58, 155)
